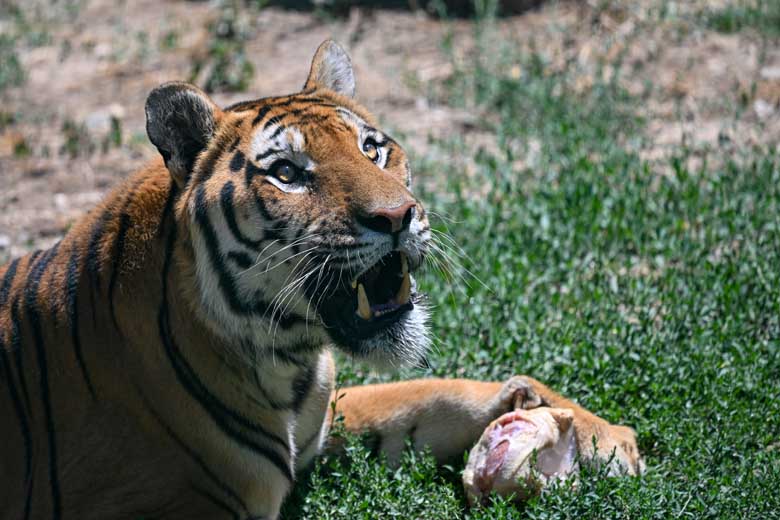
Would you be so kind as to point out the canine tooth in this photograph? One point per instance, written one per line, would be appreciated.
(354, 283)
(405, 291)
(404, 265)
(364, 308)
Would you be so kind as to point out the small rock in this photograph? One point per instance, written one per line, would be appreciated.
(99, 121)
(5, 241)
(770, 73)
(61, 201)
(763, 109)
(102, 50)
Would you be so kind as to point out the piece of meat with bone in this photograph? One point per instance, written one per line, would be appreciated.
(520, 452)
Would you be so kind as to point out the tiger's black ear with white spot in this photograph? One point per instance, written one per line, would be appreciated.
(180, 121)
(331, 68)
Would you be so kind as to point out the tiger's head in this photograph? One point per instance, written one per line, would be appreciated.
(299, 216)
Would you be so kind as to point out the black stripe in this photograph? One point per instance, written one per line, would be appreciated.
(270, 102)
(285, 115)
(28, 500)
(272, 229)
(347, 112)
(269, 400)
(304, 116)
(251, 172)
(237, 162)
(242, 260)
(227, 282)
(8, 280)
(228, 420)
(261, 114)
(167, 210)
(71, 298)
(309, 120)
(287, 356)
(172, 192)
(267, 153)
(277, 132)
(213, 153)
(228, 211)
(16, 348)
(93, 260)
(118, 251)
(24, 426)
(301, 387)
(34, 319)
(320, 120)
(93, 248)
(191, 453)
(273, 121)
(309, 102)
(216, 501)
(35, 254)
(117, 248)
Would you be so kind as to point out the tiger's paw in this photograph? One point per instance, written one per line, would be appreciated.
(518, 392)
(618, 443)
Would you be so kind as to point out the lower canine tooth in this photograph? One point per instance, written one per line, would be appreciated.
(405, 291)
(364, 308)
(404, 265)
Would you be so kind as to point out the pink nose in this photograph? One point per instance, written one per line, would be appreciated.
(390, 220)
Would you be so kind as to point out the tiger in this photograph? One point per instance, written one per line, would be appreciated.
(172, 355)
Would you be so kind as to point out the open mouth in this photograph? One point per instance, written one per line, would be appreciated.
(384, 289)
(372, 303)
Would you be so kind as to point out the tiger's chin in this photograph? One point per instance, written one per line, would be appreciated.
(400, 340)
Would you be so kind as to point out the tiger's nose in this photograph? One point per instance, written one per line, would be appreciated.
(390, 220)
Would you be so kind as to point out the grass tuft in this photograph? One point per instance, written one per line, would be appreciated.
(761, 15)
(647, 291)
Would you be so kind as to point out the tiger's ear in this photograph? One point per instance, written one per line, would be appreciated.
(331, 68)
(180, 121)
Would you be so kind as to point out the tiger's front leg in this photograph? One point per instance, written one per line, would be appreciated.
(449, 415)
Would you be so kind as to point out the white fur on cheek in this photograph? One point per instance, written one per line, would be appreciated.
(287, 188)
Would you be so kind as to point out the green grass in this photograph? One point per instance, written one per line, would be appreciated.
(648, 292)
(762, 15)
(11, 71)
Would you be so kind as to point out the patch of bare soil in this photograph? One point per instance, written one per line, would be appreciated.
(76, 126)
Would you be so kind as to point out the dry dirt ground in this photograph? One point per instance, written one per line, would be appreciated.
(75, 127)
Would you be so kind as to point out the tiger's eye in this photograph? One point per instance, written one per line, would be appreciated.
(371, 149)
(285, 171)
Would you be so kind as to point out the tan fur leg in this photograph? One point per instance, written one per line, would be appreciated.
(449, 415)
